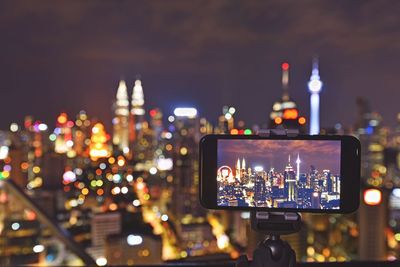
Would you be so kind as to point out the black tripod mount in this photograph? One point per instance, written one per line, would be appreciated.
(273, 251)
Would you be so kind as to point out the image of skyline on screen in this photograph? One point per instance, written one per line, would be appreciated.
(299, 174)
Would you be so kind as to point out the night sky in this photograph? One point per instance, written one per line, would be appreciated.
(275, 153)
(69, 55)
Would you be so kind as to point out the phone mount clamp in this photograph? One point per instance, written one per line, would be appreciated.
(273, 251)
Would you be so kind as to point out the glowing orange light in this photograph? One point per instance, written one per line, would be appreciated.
(3, 198)
(24, 165)
(62, 118)
(111, 160)
(140, 185)
(98, 172)
(290, 114)
(278, 120)
(113, 206)
(100, 192)
(302, 120)
(234, 254)
(372, 197)
(326, 252)
(285, 66)
(375, 174)
(234, 131)
(30, 215)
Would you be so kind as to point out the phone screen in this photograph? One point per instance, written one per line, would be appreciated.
(300, 174)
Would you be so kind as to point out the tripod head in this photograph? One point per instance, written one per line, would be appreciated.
(273, 251)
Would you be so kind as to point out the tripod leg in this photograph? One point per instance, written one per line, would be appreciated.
(242, 261)
(274, 253)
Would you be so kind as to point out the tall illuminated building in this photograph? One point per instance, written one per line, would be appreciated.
(192, 226)
(120, 121)
(290, 182)
(285, 112)
(81, 133)
(226, 121)
(298, 161)
(156, 122)
(237, 173)
(186, 179)
(99, 143)
(314, 87)
(137, 103)
(206, 127)
(137, 123)
(372, 223)
(63, 131)
(372, 219)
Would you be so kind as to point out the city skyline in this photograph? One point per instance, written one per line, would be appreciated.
(104, 105)
(291, 187)
(91, 171)
(224, 48)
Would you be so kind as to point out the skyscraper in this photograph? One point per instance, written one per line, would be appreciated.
(137, 104)
(298, 168)
(290, 182)
(284, 112)
(237, 173)
(137, 120)
(372, 226)
(314, 87)
(63, 142)
(186, 138)
(120, 121)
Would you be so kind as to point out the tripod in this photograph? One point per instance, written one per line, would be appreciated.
(273, 251)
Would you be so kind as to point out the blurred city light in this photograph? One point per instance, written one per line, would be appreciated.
(372, 197)
(3, 152)
(185, 112)
(134, 240)
(14, 127)
(143, 176)
(38, 248)
(258, 168)
(101, 261)
(165, 164)
(15, 226)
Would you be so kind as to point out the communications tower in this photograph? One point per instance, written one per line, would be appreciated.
(314, 87)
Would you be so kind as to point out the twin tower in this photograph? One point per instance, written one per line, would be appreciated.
(128, 119)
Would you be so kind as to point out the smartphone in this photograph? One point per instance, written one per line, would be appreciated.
(306, 173)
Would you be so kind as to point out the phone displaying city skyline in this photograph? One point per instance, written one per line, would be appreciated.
(298, 174)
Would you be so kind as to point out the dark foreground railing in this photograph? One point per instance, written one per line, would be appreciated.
(300, 264)
(58, 231)
(65, 237)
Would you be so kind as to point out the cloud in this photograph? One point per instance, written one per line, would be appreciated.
(226, 52)
(261, 147)
(323, 154)
(188, 30)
